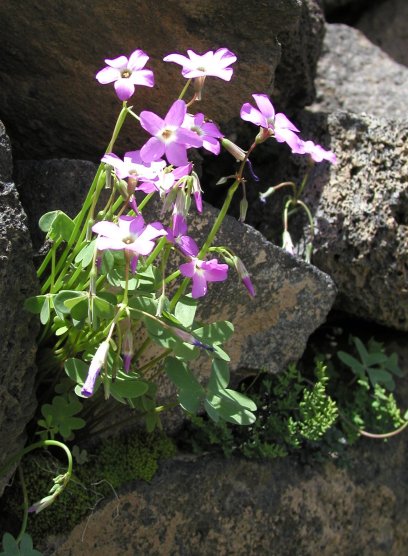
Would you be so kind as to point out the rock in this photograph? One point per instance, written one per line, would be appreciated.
(360, 209)
(356, 76)
(386, 26)
(210, 505)
(344, 9)
(53, 51)
(296, 72)
(17, 329)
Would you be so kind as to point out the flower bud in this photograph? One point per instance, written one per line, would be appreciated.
(98, 361)
(233, 149)
(287, 243)
(127, 346)
(198, 86)
(244, 275)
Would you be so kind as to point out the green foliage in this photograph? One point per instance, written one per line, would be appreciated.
(116, 461)
(24, 548)
(373, 363)
(60, 417)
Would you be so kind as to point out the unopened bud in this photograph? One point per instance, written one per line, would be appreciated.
(287, 243)
(244, 275)
(127, 345)
(233, 149)
(243, 207)
(198, 86)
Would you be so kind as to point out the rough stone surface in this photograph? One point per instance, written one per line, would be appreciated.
(212, 506)
(357, 76)
(386, 26)
(52, 51)
(17, 329)
(360, 208)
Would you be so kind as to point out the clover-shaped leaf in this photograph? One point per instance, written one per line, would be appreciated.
(61, 413)
(11, 547)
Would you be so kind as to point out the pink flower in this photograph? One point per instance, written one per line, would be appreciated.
(126, 73)
(277, 125)
(178, 236)
(169, 137)
(317, 152)
(132, 165)
(164, 180)
(211, 63)
(202, 272)
(208, 131)
(129, 234)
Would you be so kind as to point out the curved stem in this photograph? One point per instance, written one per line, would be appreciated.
(372, 434)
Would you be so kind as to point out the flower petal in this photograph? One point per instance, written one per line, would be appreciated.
(107, 75)
(282, 122)
(199, 286)
(107, 229)
(175, 115)
(176, 154)
(120, 62)
(152, 150)
(265, 106)
(187, 137)
(124, 88)
(137, 60)
(142, 77)
(251, 114)
(187, 269)
(151, 122)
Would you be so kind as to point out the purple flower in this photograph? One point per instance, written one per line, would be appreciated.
(169, 138)
(126, 73)
(317, 152)
(98, 361)
(178, 236)
(202, 272)
(277, 125)
(210, 63)
(208, 131)
(129, 234)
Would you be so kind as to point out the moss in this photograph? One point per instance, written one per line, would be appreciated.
(114, 463)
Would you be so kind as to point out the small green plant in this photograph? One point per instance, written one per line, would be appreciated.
(13, 547)
(373, 363)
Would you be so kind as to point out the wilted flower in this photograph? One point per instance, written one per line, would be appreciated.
(317, 152)
(287, 243)
(126, 73)
(277, 125)
(98, 361)
(169, 137)
(202, 272)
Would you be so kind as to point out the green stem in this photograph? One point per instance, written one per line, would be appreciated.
(155, 252)
(183, 92)
(25, 503)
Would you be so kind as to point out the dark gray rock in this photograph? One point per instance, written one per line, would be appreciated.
(210, 505)
(357, 76)
(386, 26)
(17, 328)
(296, 72)
(52, 51)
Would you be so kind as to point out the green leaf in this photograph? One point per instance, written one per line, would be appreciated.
(216, 332)
(362, 351)
(185, 310)
(10, 545)
(35, 304)
(63, 296)
(128, 387)
(392, 365)
(62, 413)
(86, 254)
(351, 362)
(103, 308)
(190, 391)
(77, 370)
(219, 352)
(57, 224)
(379, 376)
(375, 359)
(79, 309)
(220, 376)
(229, 410)
(45, 311)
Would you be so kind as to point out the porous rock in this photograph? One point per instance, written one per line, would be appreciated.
(386, 26)
(360, 208)
(17, 328)
(210, 505)
(355, 75)
(52, 51)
